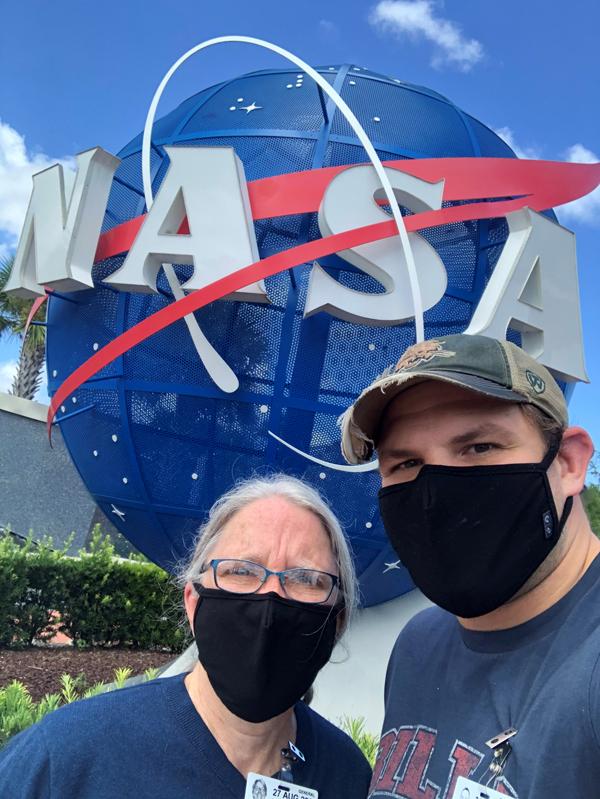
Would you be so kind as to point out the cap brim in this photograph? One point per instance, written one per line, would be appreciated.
(370, 406)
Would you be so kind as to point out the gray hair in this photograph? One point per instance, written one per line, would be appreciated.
(298, 493)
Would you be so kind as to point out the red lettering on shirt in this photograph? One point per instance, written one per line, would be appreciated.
(464, 762)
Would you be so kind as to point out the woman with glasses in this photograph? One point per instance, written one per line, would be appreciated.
(268, 591)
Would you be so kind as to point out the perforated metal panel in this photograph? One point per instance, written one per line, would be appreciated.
(152, 436)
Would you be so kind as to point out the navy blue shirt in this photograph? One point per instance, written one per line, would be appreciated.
(449, 690)
(149, 741)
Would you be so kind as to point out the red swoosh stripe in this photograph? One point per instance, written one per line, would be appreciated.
(215, 291)
(35, 307)
(541, 184)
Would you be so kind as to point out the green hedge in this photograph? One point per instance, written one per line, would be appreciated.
(101, 600)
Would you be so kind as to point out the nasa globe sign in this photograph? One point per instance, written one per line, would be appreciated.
(254, 381)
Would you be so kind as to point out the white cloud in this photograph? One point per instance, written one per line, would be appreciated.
(7, 372)
(586, 209)
(328, 29)
(17, 165)
(418, 20)
(521, 152)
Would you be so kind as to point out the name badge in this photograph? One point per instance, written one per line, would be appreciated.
(467, 789)
(260, 787)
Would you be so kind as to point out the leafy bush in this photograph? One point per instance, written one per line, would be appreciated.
(591, 503)
(18, 710)
(366, 741)
(97, 599)
(43, 590)
(13, 586)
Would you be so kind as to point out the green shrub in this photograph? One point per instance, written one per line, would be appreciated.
(30, 586)
(366, 741)
(45, 585)
(18, 710)
(13, 586)
(101, 600)
(591, 503)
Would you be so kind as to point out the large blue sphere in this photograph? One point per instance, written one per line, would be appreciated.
(155, 441)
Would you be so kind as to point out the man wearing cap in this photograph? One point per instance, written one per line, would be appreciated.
(481, 477)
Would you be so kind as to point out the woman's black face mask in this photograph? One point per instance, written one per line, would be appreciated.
(471, 537)
(261, 652)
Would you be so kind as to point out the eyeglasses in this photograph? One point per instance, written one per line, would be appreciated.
(247, 577)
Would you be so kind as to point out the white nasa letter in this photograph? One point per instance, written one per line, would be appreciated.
(350, 202)
(534, 289)
(208, 185)
(60, 235)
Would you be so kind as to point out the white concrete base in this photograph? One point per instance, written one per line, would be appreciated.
(23, 407)
(351, 684)
(185, 662)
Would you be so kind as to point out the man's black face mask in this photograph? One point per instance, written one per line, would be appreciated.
(471, 537)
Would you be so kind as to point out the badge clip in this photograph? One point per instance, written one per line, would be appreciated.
(290, 754)
(501, 738)
(501, 748)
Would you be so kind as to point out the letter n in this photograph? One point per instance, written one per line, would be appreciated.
(61, 229)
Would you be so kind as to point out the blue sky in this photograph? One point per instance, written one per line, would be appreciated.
(76, 75)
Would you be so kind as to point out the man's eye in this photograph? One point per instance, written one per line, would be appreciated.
(409, 464)
(482, 447)
(412, 463)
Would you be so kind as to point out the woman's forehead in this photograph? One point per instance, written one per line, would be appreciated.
(273, 525)
(276, 509)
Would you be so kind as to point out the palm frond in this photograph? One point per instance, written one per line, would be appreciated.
(14, 312)
(6, 265)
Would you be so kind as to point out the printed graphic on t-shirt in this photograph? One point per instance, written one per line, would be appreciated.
(403, 758)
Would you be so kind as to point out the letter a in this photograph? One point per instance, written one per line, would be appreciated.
(207, 185)
(534, 289)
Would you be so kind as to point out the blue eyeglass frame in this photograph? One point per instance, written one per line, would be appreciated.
(335, 580)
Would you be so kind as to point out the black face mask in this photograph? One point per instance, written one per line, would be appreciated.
(261, 652)
(472, 536)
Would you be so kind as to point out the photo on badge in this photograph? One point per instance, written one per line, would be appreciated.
(258, 786)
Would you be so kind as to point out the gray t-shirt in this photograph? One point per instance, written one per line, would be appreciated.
(448, 690)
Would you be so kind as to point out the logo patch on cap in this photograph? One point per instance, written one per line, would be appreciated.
(423, 352)
(535, 381)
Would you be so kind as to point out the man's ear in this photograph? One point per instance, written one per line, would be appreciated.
(190, 600)
(574, 455)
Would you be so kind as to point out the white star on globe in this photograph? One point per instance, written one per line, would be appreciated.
(117, 512)
(249, 108)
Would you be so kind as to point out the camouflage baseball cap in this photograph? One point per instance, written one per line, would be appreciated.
(485, 365)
